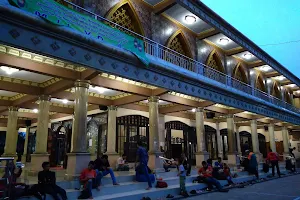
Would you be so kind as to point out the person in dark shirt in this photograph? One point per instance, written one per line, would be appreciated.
(142, 157)
(47, 183)
(291, 151)
(102, 165)
(186, 164)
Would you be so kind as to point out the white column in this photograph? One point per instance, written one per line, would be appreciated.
(272, 137)
(153, 124)
(254, 137)
(231, 137)
(25, 145)
(162, 131)
(11, 133)
(202, 153)
(219, 140)
(111, 129)
(238, 140)
(285, 140)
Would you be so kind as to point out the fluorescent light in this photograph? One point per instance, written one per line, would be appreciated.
(9, 70)
(265, 68)
(223, 41)
(35, 110)
(190, 19)
(248, 56)
(65, 101)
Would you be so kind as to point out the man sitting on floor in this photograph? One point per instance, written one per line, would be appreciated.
(102, 165)
(205, 173)
(122, 165)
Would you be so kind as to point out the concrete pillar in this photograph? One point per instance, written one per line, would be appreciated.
(202, 154)
(154, 152)
(272, 137)
(41, 155)
(285, 140)
(254, 136)
(11, 133)
(219, 140)
(111, 135)
(25, 145)
(238, 140)
(232, 153)
(78, 158)
(162, 130)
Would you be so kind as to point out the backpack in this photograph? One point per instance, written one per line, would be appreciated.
(161, 184)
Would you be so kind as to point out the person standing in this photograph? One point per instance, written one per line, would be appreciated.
(142, 157)
(273, 159)
(253, 164)
(182, 178)
(291, 151)
(186, 164)
(47, 183)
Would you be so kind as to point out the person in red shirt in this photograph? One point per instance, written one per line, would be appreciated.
(206, 174)
(88, 176)
(273, 159)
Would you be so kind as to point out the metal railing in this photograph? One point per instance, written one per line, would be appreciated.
(159, 51)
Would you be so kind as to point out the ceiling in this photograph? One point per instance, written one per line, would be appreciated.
(7, 93)
(215, 39)
(243, 55)
(26, 75)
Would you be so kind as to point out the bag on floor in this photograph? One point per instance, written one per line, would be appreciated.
(161, 184)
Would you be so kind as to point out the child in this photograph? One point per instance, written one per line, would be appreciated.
(227, 174)
(182, 177)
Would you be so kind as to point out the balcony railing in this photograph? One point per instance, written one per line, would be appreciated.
(157, 50)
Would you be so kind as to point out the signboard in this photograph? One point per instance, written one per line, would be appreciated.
(60, 15)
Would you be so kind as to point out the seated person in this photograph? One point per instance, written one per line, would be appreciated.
(89, 178)
(169, 164)
(290, 164)
(102, 165)
(205, 173)
(140, 176)
(219, 163)
(186, 164)
(47, 183)
(227, 174)
(122, 165)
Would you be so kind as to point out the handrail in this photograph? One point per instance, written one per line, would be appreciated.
(157, 50)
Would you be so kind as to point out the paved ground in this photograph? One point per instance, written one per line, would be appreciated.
(280, 189)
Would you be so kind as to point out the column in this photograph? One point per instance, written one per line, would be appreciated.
(111, 135)
(254, 136)
(219, 140)
(78, 158)
(25, 145)
(41, 155)
(285, 140)
(154, 150)
(272, 137)
(202, 154)
(11, 133)
(238, 140)
(232, 153)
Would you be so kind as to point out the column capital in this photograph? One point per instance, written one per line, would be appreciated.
(112, 108)
(13, 108)
(229, 116)
(82, 83)
(45, 98)
(153, 99)
(199, 109)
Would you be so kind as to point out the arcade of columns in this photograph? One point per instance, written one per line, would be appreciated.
(79, 157)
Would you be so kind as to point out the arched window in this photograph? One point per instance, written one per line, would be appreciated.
(260, 83)
(213, 61)
(124, 14)
(177, 42)
(239, 73)
(276, 91)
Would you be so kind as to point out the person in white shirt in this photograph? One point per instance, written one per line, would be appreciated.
(122, 164)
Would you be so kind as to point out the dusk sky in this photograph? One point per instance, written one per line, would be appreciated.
(266, 22)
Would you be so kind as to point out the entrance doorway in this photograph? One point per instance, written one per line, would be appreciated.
(131, 129)
(211, 141)
(262, 144)
(245, 137)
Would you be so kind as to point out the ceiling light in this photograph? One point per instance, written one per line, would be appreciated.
(251, 72)
(169, 31)
(280, 78)
(269, 80)
(189, 19)
(35, 110)
(265, 68)
(248, 55)
(292, 85)
(98, 89)
(298, 91)
(194, 110)
(9, 70)
(223, 41)
(228, 62)
(65, 101)
(203, 50)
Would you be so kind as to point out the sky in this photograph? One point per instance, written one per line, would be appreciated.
(266, 22)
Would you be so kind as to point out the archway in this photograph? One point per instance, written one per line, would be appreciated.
(245, 138)
(287, 97)
(124, 14)
(262, 144)
(178, 43)
(180, 138)
(131, 129)
(224, 136)
(275, 91)
(260, 84)
(239, 73)
(214, 61)
(211, 141)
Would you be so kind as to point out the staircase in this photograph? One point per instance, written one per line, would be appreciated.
(132, 190)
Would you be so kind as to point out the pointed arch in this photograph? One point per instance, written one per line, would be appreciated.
(275, 90)
(124, 14)
(215, 62)
(260, 83)
(239, 73)
(178, 42)
(287, 97)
